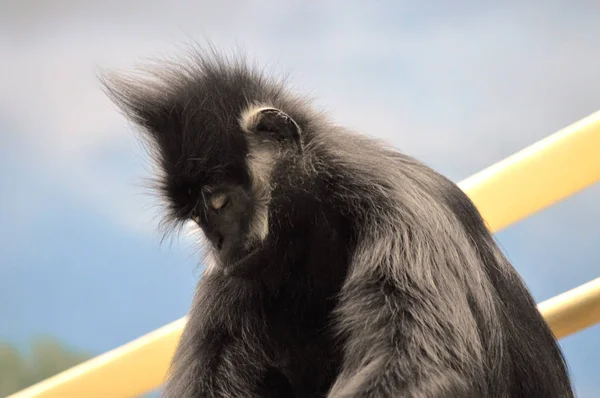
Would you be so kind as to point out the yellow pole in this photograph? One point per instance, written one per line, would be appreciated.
(573, 310)
(538, 176)
(506, 192)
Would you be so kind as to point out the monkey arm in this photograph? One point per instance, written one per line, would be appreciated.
(218, 354)
(406, 338)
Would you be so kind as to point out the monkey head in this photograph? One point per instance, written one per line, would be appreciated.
(217, 137)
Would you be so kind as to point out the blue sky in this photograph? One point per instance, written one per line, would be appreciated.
(458, 87)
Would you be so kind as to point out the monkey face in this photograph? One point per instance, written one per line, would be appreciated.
(228, 192)
(225, 215)
(218, 197)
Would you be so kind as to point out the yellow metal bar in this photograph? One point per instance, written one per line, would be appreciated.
(534, 178)
(574, 310)
(538, 176)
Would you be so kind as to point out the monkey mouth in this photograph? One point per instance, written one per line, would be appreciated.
(247, 255)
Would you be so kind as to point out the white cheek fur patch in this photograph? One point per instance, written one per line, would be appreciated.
(260, 161)
(260, 164)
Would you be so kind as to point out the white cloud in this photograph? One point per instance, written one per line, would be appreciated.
(461, 91)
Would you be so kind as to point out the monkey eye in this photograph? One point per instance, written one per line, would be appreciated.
(217, 201)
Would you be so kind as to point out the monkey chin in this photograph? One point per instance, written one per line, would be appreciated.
(243, 263)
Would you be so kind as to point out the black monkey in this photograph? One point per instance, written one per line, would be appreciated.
(337, 267)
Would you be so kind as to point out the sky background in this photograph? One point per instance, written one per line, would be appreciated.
(459, 85)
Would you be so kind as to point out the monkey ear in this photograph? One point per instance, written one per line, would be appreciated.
(273, 124)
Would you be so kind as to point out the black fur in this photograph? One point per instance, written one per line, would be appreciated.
(373, 276)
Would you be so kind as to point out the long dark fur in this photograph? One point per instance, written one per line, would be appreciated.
(377, 278)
